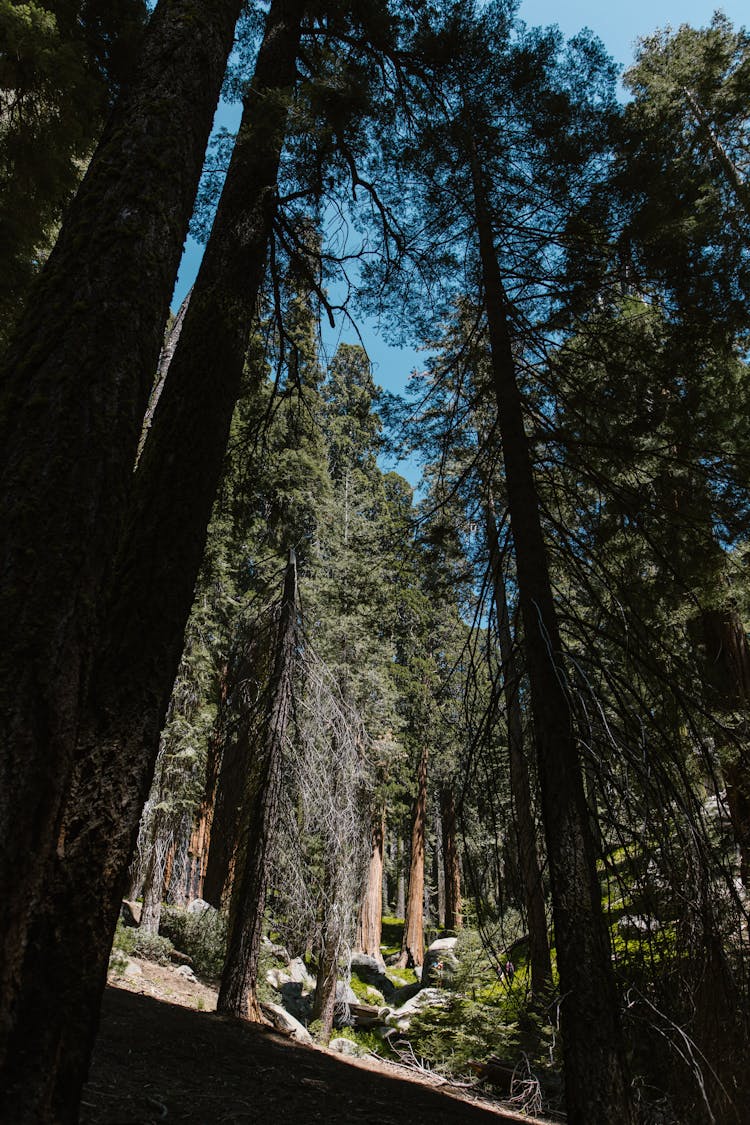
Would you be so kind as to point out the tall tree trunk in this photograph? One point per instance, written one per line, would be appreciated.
(453, 919)
(412, 945)
(65, 962)
(239, 980)
(531, 875)
(76, 379)
(153, 884)
(728, 681)
(400, 878)
(236, 764)
(200, 837)
(596, 1081)
(438, 864)
(370, 920)
(326, 979)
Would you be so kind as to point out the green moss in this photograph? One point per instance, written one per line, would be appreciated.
(391, 935)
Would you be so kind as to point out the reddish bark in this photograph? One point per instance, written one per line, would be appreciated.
(370, 920)
(451, 861)
(412, 945)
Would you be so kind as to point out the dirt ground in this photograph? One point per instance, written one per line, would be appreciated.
(163, 1055)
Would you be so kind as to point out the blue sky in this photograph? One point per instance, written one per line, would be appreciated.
(618, 24)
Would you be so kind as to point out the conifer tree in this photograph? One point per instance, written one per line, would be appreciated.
(109, 281)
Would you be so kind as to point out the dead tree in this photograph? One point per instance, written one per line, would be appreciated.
(238, 992)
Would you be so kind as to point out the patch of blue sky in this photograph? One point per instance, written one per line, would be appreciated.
(619, 26)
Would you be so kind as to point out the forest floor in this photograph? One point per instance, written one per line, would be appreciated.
(163, 1055)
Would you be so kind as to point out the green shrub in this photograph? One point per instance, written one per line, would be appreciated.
(152, 947)
(203, 937)
(123, 947)
(391, 935)
(367, 1040)
(465, 1030)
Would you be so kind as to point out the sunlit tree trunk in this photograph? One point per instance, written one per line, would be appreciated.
(412, 945)
(370, 919)
(326, 979)
(200, 837)
(400, 878)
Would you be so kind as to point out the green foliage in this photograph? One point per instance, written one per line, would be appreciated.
(202, 936)
(130, 941)
(392, 933)
(60, 67)
(152, 947)
(366, 1040)
(685, 172)
(123, 947)
(467, 1030)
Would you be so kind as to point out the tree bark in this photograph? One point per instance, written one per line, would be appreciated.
(326, 979)
(412, 945)
(370, 920)
(76, 379)
(153, 887)
(438, 865)
(531, 874)
(236, 764)
(596, 1080)
(452, 864)
(239, 980)
(200, 837)
(728, 681)
(65, 962)
(400, 878)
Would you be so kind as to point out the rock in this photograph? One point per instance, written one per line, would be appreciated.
(637, 925)
(440, 963)
(277, 951)
(371, 971)
(199, 906)
(299, 974)
(426, 998)
(186, 973)
(294, 1001)
(401, 995)
(132, 970)
(344, 993)
(286, 1023)
(442, 944)
(367, 967)
(372, 996)
(347, 1047)
(277, 978)
(130, 912)
(180, 958)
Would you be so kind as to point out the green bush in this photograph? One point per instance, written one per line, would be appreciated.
(467, 1031)
(203, 937)
(123, 947)
(152, 947)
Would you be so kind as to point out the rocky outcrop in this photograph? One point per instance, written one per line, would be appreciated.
(440, 963)
(284, 1022)
(371, 971)
(425, 998)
